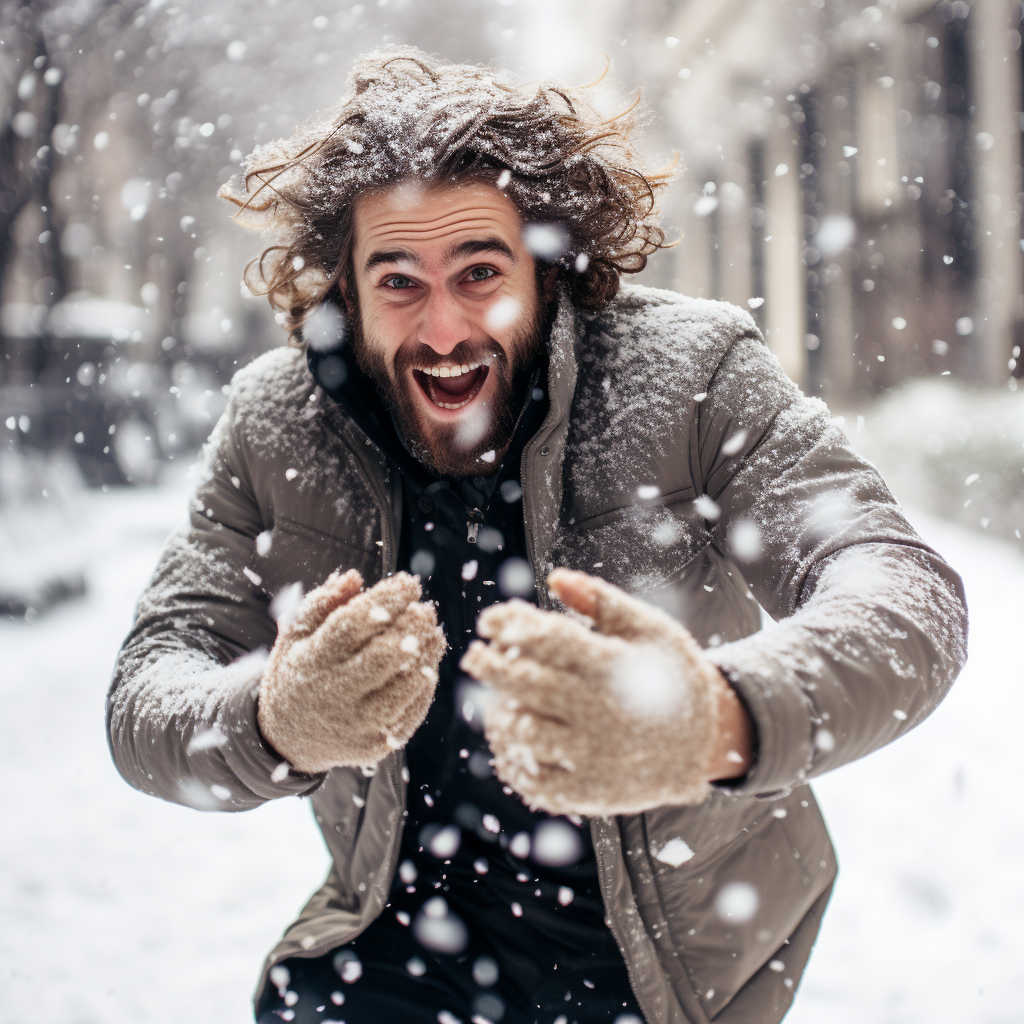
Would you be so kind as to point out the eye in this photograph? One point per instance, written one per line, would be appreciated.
(397, 281)
(480, 273)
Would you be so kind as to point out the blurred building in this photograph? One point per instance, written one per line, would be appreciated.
(853, 175)
(851, 171)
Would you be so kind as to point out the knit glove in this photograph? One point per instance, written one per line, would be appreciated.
(614, 719)
(353, 676)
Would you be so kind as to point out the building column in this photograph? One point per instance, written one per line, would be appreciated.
(785, 274)
(997, 89)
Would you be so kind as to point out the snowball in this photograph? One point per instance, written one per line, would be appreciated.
(437, 928)
(422, 563)
(708, 508)
(705, 206)
(745, 540)
(520, 845)
(517, 909)
(755, 303)
(565, 895)
(736, 901)
(444, 843)
(824, 740)
(556, 843)
(545, 241)
(515, 578)
(645, 492)
(206, 739)
(290, 474)
(263, 543)
(469, 569)
(503, 313)
(648, 682)
(285, 605)
(734, 443)
(835, 234)
(415, 966)
(348, 966)
(407, 872)
(485, 971)
(674, 852)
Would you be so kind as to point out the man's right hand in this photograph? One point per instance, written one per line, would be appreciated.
(353, 676)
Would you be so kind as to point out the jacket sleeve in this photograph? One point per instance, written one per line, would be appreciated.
(871, 623)
(181, 710)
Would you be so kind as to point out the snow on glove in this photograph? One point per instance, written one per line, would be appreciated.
(353, 676)
(612, 720)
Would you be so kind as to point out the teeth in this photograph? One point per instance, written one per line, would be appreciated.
(454, 371)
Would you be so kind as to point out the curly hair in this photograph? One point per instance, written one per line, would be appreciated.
(411, 116)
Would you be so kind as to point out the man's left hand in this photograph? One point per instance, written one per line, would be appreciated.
(614, 719)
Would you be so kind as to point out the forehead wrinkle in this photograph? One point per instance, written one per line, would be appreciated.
(430, 231)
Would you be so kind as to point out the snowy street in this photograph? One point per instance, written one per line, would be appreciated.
(120, 909)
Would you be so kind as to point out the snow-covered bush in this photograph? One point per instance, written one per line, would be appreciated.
(950, 448)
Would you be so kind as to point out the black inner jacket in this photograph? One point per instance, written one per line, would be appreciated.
(465, 831)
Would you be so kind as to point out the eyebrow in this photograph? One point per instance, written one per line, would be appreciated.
(460, 251)
(474, 246)
(382, 256)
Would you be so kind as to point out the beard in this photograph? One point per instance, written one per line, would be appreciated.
(454, 449)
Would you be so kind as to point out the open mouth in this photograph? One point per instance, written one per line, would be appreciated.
(453, 386)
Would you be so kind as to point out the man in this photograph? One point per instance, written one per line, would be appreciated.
(471, 401)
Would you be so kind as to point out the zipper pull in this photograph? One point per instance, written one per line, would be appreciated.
(473, 525)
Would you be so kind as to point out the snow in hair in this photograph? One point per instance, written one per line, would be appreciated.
(410, 116)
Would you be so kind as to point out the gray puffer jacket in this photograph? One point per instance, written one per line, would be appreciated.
(678, 462)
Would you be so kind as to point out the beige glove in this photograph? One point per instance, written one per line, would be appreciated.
(612, 720)
(353, 676)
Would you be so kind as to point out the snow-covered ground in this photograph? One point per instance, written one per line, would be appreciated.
(116, 908)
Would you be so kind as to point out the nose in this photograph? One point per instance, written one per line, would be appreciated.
(444, 323)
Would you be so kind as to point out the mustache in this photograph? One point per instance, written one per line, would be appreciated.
(417, 355)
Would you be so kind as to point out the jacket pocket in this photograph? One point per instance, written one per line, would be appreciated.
(731, 907)
(296, 553)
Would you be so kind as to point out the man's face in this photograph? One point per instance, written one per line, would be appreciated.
(449, 317)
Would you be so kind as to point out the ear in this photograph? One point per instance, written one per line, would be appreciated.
(345, 295)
